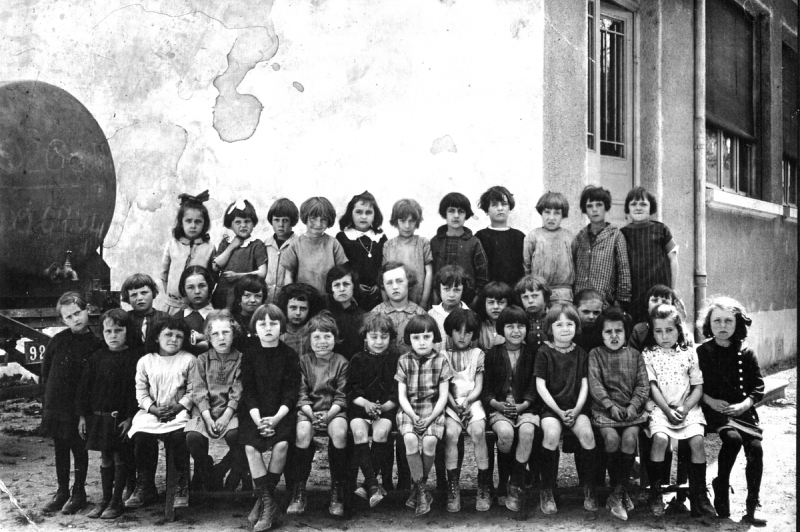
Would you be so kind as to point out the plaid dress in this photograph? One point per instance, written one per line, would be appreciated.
(617, 378)
(422, 376)
(601, 263)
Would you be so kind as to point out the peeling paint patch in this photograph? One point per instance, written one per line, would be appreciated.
(299, 86)
(443, 144)
(276, 67)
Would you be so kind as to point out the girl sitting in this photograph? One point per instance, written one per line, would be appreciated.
(196, 285)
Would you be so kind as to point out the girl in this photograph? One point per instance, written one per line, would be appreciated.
(464, 408)
(270, 386)
(139, 291)
(372, 401)
(248, 294)
(195, 286)
(283, 216)
(412, 250)
(322, 406)
(533, 295)
(657, 295)
(189, 246)
(362, 240)
(676, 387)
(423, 377)
(561, 371)
(652, 253)
(106, 403)
(62, 367)
(733, 386)
(502, 244)
(620, 389)
(548, 249)
(164, 390)
(217, 388)
(238, 257)
(492, 300)
(314, 253)
(449, 284)
(343, 290)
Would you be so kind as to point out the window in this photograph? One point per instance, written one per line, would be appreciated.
(729, 160)
(790, 124)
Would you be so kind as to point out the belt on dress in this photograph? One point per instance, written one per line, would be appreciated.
(113, 414)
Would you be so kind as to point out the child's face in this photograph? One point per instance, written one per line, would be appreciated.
(378, 341)
(114, 335)
(221, 336)
(665, 333)
(170, 341)
(73, 317)
(422, 343)
(655, 301)
(282, 225)
(532, 301)
(451, 296)
(514, 333)
(596, 211)
(613, 334)
(395, 283)
(363, 215)
(322, 342)
(316, 225)
(589, 311)
(343, 289)
(495, 306)
(192, 223)
(197, 290)
(297, 312)
(455, 217)
(551, 219)
(563, 330)
(639, 210)
(268, 331)
(461, 339)
(407, 226)
(498, 211)
(242, 227)
(723, 324)
(141, 299)
(251, 301)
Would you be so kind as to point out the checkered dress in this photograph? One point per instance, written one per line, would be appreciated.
(602, 265)
(422, 376)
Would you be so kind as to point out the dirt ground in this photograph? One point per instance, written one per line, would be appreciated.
(26, 468)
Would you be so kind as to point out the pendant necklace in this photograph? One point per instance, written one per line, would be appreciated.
(369, 251)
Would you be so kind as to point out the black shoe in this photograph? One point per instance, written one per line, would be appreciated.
(59, 500)
(722, 501)
(750, 516)
(114, 510)
(76, 502)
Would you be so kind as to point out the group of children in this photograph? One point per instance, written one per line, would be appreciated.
(363, 335)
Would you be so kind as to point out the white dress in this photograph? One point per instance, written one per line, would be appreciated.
(163, 381)
(466, 365)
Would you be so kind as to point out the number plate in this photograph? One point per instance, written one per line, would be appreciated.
(34, 352)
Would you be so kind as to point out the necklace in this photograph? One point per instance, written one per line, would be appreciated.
(369, 251)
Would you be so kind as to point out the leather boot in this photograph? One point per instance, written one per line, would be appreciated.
(107, 482)
(453, 490)
(753, 470)
(76, 502)
(698, 492)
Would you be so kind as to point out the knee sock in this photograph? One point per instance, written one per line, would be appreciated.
(120, 478)
(337, 460)
(81, 457)
(549, 468)
(754, 468)
(731, 445)
(613, 466)
(271, 481)
(305, 457)
(518, 474)
(378, 456)
(415, 466)
(439, 464)
(107, 482)
(626, 462)
(365, 459)
(590, 463)
(427, 464)
(505, 463)
(62, 452)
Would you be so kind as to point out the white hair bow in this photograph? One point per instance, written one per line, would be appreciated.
(238, 205)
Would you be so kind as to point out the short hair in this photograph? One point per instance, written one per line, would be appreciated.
(422, 323)
(511, 314)
(317, 206)
(665, 312)
(640, 193)
(587, 294)
(323, 322)
(595, 193)
(393, 265)
(568, 310)
(135, 282)
(532, 283)
(615, 314)
(220, 315)
(71, 298)
(404, 208)
(284, 208)
(451, 275)
(240, 209)
(457, 200)
(553, 200)
(268, 310)
(728, 304)
(339, 271)
(174, 322)
(195, 270)
(301, 292)
(192, 202)
(493, 290)
(117, 316)
(377, 322)
(462, 318)
(249, 283)
(496, 194)
(346, 219)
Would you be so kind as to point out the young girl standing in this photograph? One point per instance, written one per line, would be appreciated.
(492, 300)
(676, 387)
(196, 285)
(548, 249)
(106, 403)
(189, 246)
(502, 244)
(423, 377)
(344, 290)
(62, 367)
(733, 385)
(362, 239)
(239, 256)
(412, 250)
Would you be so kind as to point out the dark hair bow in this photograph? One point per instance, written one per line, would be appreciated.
(200, 198)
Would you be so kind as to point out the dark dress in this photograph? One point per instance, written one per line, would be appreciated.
(647, 258)
(134, 335)
(590, 337)
(372, 377)
(536, 335)
(349, 322)
(367, 267)
(498, 380)
(465, 251)
(562, 372)
(503, 254)
(243, 260)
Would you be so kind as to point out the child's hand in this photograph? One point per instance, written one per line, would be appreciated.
(211, 427)
(631, 412)
(367, 289)
(82, 427)
(737, 409)
(124, 427)
(266, 427)
(421, 424)
(161, 412)
(674, 417)
(231, 276)
(717, 404)
(568, 417)
(222, 422)
(616, 413)
(322, 421)
(510, 410)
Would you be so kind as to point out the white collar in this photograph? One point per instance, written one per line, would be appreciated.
(244, 244)
(354, 234)
(204, 312)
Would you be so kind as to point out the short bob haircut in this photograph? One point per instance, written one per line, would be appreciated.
(235, 211)
(404, 208)
(71, 298)
(662, 291)
(339, 271)
(493, 290)
(377, 322)
(457, 200)
(323, 322)
(195, 270)
(419, 324)
(174, 322)
(640, 193)
(301, 292)
(117, 316)
(553, 200)
(462, 318)
(366, 197)
(615, 314)
(317, 206)
(496, 194)
(249, 283)
(393, 265)
(223, 315)
(587, 294)
(135, 282)
(665, 312)
(568, 310)
(268, 310)
(511, 315)
(451, 276)
(728, 304)
(284, 208)
(532, 283)
(594, 193)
